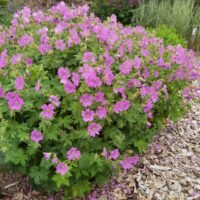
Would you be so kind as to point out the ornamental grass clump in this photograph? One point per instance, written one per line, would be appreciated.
(81, 98)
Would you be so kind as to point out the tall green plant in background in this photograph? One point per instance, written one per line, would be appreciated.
(3, 11)
(183, 14)
(194, 42)
(178, 14)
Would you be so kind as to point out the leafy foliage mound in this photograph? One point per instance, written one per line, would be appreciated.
(80, 98)
(169, 35)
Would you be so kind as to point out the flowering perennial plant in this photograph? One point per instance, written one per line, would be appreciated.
(79, 98)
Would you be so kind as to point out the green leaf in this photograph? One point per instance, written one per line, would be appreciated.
(101, 179)
(16, 156)
(80, 188)
(62, 180)
(38, 174)
(140, 144)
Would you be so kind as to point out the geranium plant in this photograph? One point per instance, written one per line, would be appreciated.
(80, 98)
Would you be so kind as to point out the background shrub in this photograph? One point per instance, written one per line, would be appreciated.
(123, 9)
(169, 35)
(4, 14)
(79, 98)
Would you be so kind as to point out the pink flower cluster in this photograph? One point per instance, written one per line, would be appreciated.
(113, 155)
(72, 154)
(129, 162)
(48, 109)
(14, 101)
(25, 40)
(69, 85)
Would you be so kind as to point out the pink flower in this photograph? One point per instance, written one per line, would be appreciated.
(108, 76)
(93, 81)
(150, 115)
(60, 27)
(94, 129)
(44, 48)
(125, 67)
(29, 61)
(136, 62)
(160, 62)
(62, 168)
(36, 136)
(129, 162)
(145, 73)
(73, 154)
(11, 96)
(88, 57)
(48, 111)
(186, 93)
(86, 100)
(3, 56)
(74, 38)
(55, 159)
(121, 106)
(16, 104)
(105, 153)
(19, 83)
(46, 155)
(63, 74)
(109, 60)
(121, 91)
(14, 101)
(148, 106)
(145, 52)
(133, 83)
(101, 112)
(60, 45)
(70, 87)
(87, 71)
(25, 40)
(156, 73)
(75, 78)
(37, 86)
(88, 115)
(153, 96)
(16, 59)
(54, 100)
(99, 97)
(114, 154)
(149, 124)
(3, 36)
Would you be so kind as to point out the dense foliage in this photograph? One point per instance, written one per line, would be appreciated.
(123, 9)
(169, 35)
(80, 98)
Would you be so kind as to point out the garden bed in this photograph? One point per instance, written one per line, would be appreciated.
(80, 99)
